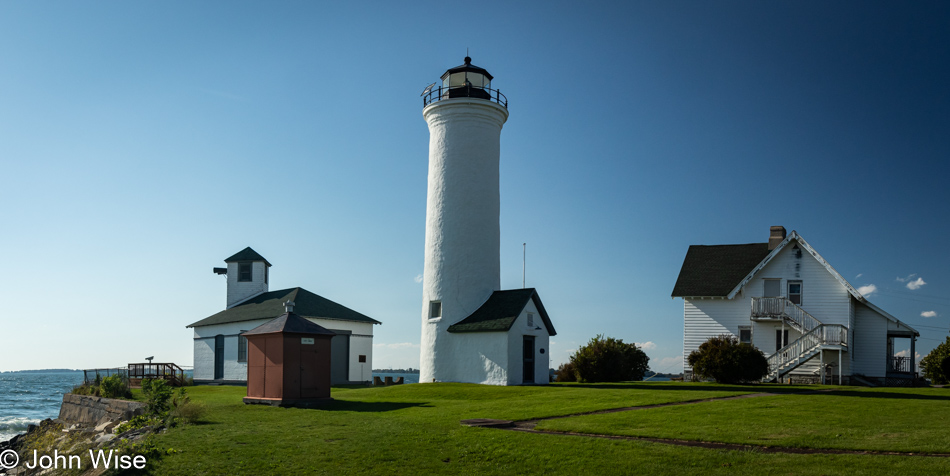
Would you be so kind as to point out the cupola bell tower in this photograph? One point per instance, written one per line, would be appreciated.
(247, 274)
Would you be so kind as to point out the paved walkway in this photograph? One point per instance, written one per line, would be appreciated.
(528, 426)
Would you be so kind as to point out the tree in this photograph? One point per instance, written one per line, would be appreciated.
(609, 360)
(725, 360)
(934, 366)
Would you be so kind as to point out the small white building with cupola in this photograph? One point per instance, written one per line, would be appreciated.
(220, 352)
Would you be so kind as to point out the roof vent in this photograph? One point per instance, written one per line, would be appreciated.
(289, 306)
(776, 236)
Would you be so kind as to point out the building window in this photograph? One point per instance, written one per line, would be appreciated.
(530, 319)
(435, 309)
(265, 274)
(242, 348)
(745, 334)
(773, 288)
(795, 292)
(244, 271)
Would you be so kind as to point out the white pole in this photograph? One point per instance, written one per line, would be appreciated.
(839, 366)
(822, 354)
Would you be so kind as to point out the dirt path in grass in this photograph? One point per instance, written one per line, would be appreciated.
(528, 426)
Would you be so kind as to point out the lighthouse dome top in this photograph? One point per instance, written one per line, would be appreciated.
(462, 72)
(465, 81)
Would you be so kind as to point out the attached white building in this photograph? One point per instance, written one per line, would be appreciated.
(221, 353)
(472, 331)
(786, 300)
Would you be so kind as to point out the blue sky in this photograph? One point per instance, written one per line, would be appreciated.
(143, 143)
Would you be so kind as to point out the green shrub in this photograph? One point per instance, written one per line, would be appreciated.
(157, 397)
(934, 365)
(114, 387)
(609, 360)
(85, 388)
(725, 360)
(566, 373)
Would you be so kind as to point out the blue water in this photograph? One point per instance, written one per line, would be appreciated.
(28, 398)
(407, 378)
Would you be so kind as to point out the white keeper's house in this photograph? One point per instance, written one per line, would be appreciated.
(221, 353)
(790, 303)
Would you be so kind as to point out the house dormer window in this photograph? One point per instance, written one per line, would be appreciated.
(244, 271)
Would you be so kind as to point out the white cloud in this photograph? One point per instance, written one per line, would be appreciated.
(867, 290)
(398, 345)
(859, 275)
(928, 314)
(908, 278)
(916, 284)
(418, 278)
(646, 345)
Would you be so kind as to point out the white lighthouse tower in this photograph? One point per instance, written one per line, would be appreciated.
(462, 258)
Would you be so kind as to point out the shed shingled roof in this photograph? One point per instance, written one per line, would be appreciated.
(247, 254)
(501, 310)
(271, 304)
(289, 323)
(712, 271)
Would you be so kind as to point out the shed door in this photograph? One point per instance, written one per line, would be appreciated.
(309, 370)
(218, 357)
(528, 359)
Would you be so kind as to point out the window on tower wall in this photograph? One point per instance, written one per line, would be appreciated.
(244, 271)
(435, 309)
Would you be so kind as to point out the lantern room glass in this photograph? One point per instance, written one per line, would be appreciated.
(477, 80)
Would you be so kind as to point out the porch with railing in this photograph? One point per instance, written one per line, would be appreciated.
(900, 364)
(171, 373)
(780, 308)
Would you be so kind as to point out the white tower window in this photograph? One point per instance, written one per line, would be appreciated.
(435, 309)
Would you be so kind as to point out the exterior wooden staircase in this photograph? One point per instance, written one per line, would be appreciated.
(815, 334)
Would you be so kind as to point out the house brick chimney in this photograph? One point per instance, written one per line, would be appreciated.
(776, 236)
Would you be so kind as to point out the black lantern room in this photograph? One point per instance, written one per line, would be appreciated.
(465, 81)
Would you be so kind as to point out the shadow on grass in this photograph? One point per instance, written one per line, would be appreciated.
(680, 387)
(371, 407)
(885, 394)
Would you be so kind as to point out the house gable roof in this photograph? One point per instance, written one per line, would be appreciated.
(723, 270)
(713, 271)
(247, 254)
(500, 312)
(289, 323)
(271, 304)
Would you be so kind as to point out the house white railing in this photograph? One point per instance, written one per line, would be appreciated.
(782, 308)
(805, 347)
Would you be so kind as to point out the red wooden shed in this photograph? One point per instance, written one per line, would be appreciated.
(288, 362)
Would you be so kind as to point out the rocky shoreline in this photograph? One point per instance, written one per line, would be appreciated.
(85, 424)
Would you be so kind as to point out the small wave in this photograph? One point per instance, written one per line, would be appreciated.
(16, 424)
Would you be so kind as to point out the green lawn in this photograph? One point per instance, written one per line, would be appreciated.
(414, 429)
(907, 420)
